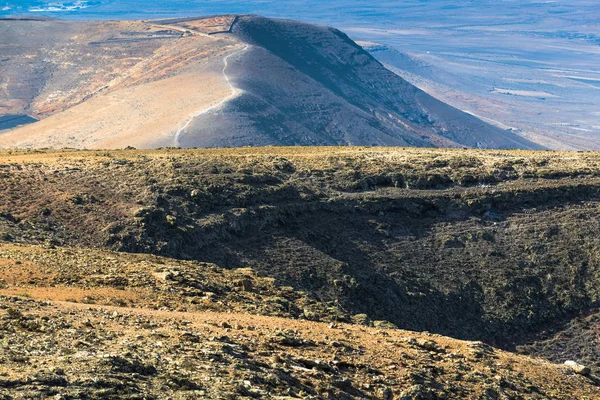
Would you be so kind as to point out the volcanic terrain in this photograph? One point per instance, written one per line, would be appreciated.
(286, 273)
(213, 82)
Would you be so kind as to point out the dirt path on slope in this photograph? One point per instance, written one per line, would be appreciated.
(234, 93)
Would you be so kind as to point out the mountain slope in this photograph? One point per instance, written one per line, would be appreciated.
(64, 349)
(249, 81)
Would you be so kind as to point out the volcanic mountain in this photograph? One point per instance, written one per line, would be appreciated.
(213, 82)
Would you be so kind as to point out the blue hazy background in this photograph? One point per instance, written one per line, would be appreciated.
(581, 14)
(528, 65)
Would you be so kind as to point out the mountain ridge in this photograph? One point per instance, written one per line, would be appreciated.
(155, 80)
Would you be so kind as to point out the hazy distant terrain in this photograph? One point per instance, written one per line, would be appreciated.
(528, 65)
(221, 81)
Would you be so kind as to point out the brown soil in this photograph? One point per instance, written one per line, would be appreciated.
(497, 246)
(115, 352)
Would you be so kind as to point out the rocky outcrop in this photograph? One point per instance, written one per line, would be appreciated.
(492, 246)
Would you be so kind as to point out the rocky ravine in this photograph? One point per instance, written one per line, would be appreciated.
(498, 247)
(70, 350)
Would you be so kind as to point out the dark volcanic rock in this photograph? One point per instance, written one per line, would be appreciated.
(312, 85)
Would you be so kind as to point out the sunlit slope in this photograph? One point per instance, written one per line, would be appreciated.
(216, 82)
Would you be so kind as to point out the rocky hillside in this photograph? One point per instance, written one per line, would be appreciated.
(142, 281)
(78, 351)
(316, 81)
(493, 246)
(213, 82)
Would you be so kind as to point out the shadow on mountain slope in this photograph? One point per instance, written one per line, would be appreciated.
(494, 246)
(303, 84)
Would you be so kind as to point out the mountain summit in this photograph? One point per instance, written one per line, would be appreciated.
(215, 82)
